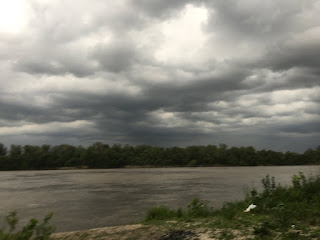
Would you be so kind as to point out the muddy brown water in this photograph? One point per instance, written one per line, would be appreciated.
(83, 199)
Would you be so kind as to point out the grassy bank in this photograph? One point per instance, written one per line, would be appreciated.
(281, 212)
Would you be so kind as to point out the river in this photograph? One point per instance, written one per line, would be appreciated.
(83, 199)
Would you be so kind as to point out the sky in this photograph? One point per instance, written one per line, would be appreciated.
(161, 72)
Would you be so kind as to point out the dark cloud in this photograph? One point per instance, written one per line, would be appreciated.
(117, 72)
(311, 127)
(295, 55)
(53, 68)
(262, 21)
(115, 57)
(161, 8)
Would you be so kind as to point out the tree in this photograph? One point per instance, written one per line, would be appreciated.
(3, 150)
(15, 158)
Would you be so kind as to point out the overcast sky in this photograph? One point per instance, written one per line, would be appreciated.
(161, 72)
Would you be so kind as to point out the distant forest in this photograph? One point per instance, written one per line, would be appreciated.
(100, 155)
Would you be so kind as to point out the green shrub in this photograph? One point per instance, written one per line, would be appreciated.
(230, 210)
(282, 215)
(198, 208)
(12, 220)
(287, 204)
(180, 213)
(264, 229)
(160, 213)
(195, 209)
(33, 230)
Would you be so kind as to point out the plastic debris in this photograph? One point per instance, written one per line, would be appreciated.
(251, 206)
(293, 226)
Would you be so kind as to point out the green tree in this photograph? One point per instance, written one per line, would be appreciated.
(3, 150)
(15, 158)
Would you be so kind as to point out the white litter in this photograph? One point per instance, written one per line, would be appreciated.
(251, 206)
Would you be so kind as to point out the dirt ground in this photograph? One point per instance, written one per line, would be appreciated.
(140, 232)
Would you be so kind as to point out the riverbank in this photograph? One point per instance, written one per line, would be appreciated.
(197, 230)
(168, 231)
(276, 212)
(286, 213)
(84, 167)
(85, 199)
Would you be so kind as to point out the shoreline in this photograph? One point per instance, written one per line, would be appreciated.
(135, 231)
(154, 167)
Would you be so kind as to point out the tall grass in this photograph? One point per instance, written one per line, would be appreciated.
(196, 209)
(298, 202)
(34, 230)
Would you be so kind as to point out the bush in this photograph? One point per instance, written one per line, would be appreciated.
(198, 208)
(262, 230)
(287, 204)
(160, 213)
(230, 209)
(33, 230)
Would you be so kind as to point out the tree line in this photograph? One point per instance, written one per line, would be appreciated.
(100, 155)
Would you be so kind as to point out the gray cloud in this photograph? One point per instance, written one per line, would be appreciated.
(295, 55)
(119, 72)
(161, 8)
(115, 57)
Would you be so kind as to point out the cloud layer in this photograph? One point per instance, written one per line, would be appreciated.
(161, 72)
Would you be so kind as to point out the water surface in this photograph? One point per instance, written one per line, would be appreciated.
(83, 199)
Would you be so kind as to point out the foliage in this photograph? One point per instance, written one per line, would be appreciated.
(195, 209)
(230, 210)
(12, 220)
(198, 208)
(33, 230)
(299, 202)
(263, 229)
(100, 155)
(160, 213)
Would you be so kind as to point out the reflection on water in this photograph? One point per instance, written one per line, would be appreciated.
(83, 199)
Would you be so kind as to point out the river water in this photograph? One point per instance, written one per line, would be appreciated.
(83, 199)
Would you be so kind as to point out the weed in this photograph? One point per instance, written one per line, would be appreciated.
(262, 230)
(12, 220)
(179, 213)
(195, 209)
(198, 208)
(33, 230)
(230, 210)
(160, 213)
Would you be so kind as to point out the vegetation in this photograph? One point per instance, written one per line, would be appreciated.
(101, 155)
(196, 209)
(33, 230)
(282, 212)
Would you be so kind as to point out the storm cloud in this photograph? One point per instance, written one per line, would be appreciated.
(161, 72)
